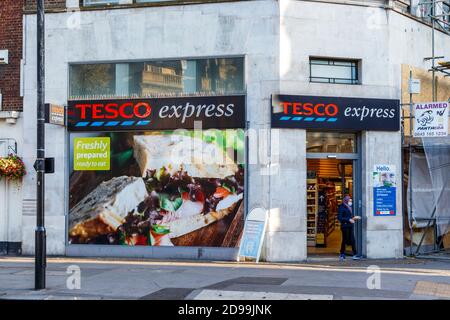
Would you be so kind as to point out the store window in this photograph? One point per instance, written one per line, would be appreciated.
(330, 142)
(216, 76)
(334, 71)
(88, 3)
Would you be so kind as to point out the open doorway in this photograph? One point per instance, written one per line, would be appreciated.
(328, 181)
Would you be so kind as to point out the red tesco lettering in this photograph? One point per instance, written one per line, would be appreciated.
(126, 110)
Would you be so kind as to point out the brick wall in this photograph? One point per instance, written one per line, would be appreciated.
(11, 39)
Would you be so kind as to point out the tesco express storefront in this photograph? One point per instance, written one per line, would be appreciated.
(158, 171)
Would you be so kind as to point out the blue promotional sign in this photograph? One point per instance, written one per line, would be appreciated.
(384, 190)
(384, 199)
(254, 230)
(252, 237)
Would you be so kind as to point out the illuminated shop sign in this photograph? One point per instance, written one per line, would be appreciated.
(156, 114)
(335, 113)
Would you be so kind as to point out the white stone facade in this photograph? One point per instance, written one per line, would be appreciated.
(276, 38)
(11, 191)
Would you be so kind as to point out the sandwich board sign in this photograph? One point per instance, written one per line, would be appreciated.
(431, 119)
(254, 231)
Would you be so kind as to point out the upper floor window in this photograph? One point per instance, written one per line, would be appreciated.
(99, 2)
(88, 3)
(330, 142)
(213, 76)
(334, 71)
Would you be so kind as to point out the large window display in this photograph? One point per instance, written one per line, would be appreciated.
(143, 173)
(216, 76)
(159, 188)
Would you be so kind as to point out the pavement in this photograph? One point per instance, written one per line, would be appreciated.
(317, 279)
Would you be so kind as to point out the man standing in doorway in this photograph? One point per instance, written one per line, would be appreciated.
(347, 220)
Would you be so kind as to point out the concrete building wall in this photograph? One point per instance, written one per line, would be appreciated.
(383, 40)
(11, 103)
(276, 38)
(246, 28)
(10, 191)
(382, 236)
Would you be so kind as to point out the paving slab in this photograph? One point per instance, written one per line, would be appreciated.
(184, 280)
(246, 295)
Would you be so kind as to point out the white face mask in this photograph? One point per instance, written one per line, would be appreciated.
(350, 203)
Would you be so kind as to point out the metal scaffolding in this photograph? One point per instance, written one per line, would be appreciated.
(437, 13)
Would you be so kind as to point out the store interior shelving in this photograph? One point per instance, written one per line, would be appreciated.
(311, 207)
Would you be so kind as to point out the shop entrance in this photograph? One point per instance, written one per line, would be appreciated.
(332, 172)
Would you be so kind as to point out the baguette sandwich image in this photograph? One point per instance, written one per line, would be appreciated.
(176, 195)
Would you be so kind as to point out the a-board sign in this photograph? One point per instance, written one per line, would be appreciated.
(252, 239)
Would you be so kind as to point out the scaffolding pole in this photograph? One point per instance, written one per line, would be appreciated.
(439, 21)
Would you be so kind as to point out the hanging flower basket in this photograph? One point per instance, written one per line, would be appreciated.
(12, 167)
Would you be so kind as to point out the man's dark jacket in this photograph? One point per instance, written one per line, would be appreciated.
(344, 216)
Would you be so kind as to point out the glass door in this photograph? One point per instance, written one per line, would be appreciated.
(334, 170)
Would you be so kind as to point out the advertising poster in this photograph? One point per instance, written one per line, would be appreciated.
(431, 119)
(91, 154)
(253, 235)
(384, 190)
(157, 188)
(252, 239)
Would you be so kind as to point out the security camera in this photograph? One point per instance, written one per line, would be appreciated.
(3, 57)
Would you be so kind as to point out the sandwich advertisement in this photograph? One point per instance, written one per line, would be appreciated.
(157, 188)
(142, 171)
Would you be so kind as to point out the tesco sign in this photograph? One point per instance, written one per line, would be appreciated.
(335, 113)
(126, 110)
(219, 112)
(309, 109)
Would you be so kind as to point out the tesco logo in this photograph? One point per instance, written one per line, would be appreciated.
(310, 109)
(126, 110)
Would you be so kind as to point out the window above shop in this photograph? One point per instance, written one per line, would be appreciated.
(214, 76)
(92, 3)
(334, 71)
(330, 142)
(88, 3)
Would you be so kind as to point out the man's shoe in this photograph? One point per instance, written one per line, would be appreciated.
(341, 257)
(356, 257)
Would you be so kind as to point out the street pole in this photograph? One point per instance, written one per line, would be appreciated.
(40, 234)
(433, 72)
